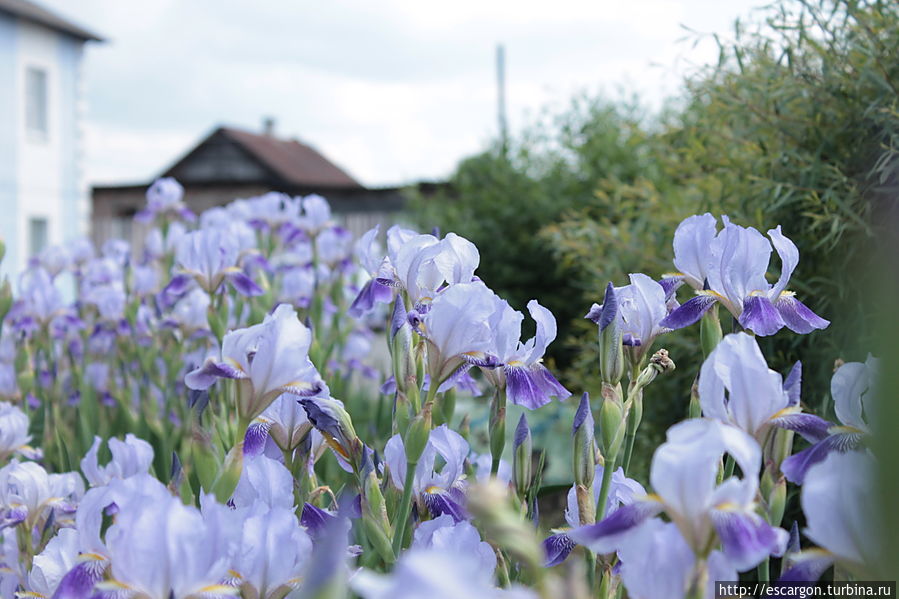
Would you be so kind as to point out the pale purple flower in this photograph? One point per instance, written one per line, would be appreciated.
(264, 481)
(729, 267)
(526, 380)
(130, 457)
(657, 548)
(642, 306)
(435, 574)
(483, 465)
(285, 422)
(737, 387)
(163, 549)
(852, 390)
(440, 490)
(445, 534)
(316, 214)
(268, 359)
(375, 264)
(191, 312)
(833, 497)
(13, 429)
(53, 563)
(274, 550)
(684, 477)
(210, 257)
(165, 197)
(29, 494)
(457, 328)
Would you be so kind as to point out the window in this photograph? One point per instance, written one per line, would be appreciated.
(36, 101)
(37, 234)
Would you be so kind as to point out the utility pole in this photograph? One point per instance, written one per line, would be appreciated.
(501, 98)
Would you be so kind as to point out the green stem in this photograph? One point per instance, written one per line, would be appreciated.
(604, 488)
(405, 509)
(763, 570)
(590, 559)
(729, 464)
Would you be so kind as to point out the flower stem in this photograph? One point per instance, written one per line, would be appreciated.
(405, 509)
(604, 488)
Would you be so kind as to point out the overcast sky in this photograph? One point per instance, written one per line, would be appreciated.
(391, 91)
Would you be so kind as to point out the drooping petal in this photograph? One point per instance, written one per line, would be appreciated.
(747, 538)
(604, 536)
(760, 316)
(689, 312)
(556, 548)
(211, 370)
(807, 566)
(812, 428)
(244, 284)
(797, 316)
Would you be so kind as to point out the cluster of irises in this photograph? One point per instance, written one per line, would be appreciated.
(251, 402)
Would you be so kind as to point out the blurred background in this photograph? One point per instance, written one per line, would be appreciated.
(567, 140)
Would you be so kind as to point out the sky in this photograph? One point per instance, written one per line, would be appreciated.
(391, 91)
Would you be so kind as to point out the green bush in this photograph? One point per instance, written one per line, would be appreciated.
(797, 124)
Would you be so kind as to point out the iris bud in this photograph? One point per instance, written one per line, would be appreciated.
(584, 444)
(611, 351)
(522, 447)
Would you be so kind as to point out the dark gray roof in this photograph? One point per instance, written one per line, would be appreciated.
(30, 11)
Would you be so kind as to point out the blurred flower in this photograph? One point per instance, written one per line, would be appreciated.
(852, 390)
(209, 257)
(129, 457)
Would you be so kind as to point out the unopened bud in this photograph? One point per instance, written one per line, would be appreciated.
(611, 423)
(401, 348)
(229, 476)
(710, 331)
(584, 452)
(522, 447)
(611, 351)
(417, 435)
(777, 501)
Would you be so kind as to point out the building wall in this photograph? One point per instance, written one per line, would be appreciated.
(40, 176)
(9, 108)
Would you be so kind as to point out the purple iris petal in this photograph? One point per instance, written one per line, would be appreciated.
(670, 285)
(178, 285)
(388, 387)
(746, 538)
(440, 502)
(556, 548)
(797, 465)
(760, 316)
(793, 383)
(523, 389)
(811, 427)
(797, 316)
(79, 582)
(315, 519)
(620, 521)
(211, 370)
(583, 412)
(371, 293)
(609, 308)
(255, 438)
(807, 566)
(689, 312)
(244, 284)
(521, 431)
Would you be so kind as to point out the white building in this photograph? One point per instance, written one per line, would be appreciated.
(43, 198)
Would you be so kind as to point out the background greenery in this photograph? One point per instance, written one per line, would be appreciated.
(796, 125)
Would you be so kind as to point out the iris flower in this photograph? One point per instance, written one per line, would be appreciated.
(728, 267)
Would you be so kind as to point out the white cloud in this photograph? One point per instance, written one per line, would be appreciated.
(391, 90)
